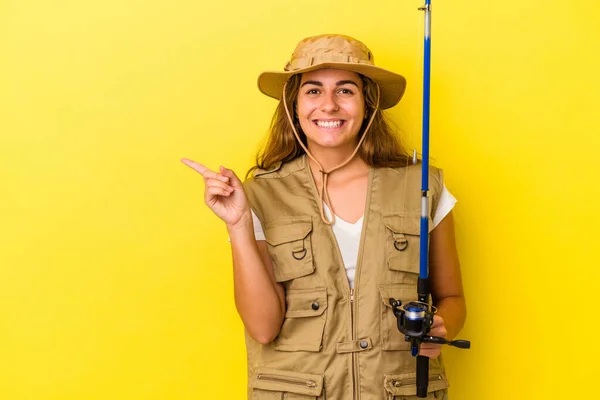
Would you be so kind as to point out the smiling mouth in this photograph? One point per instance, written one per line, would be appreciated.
(329, 124)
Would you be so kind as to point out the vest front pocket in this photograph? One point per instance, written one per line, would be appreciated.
(290, 248)
(391, 337)
(404, 386)
(403, 241)
(304, 322)
(271, 384)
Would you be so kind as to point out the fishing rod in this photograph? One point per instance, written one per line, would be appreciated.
(416, 318)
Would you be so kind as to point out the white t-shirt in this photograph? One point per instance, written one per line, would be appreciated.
(348, 235)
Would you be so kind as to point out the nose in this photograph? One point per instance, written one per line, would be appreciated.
(330, 102)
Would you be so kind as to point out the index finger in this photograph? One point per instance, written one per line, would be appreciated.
(204, 171)
(194, 165)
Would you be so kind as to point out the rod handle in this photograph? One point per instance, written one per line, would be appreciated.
(422, 376)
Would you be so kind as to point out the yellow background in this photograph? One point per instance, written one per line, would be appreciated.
(115, 279)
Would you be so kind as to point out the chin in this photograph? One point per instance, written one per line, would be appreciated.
(332, 141)
(334, 144)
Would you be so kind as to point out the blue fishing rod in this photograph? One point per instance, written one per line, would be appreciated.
(416, 318)
(423, 283)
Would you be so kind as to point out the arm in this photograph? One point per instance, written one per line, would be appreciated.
(446, 285)
(259, 299)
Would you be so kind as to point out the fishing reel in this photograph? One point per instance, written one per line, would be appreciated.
(415, 320)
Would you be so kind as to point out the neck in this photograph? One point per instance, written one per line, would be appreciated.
(354, 167)
(330, 158)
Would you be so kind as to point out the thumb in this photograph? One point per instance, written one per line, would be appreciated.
(233, 179)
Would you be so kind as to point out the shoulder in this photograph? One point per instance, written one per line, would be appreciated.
(280, 169)
(258, 172)
(436, 177)
(413, 172)
(265, 183)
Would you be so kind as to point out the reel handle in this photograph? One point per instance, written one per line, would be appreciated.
(461, 344)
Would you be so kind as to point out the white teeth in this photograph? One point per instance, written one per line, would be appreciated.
(329, 124)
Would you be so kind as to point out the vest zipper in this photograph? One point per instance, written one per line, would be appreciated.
(359, 261)
(354, 356)
(355, 385)
(287, 379)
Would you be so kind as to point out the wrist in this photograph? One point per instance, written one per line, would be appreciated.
(243, 226)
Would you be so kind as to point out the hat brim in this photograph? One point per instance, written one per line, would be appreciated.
(392, 85)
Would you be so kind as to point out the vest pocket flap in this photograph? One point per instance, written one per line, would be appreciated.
(406, 384)
(402, 247)
(288, 381)
(290, 231)
(306, 302)
(409, 224)
(289, 242)
(399, 291)
(304, 322)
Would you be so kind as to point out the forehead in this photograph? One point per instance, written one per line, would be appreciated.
(331, 75)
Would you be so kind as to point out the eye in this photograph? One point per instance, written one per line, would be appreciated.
(345, 91)
(312, 91)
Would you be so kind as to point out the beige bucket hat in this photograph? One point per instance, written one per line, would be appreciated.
(338, 52)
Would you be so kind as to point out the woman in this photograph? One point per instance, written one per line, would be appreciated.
(326, 231)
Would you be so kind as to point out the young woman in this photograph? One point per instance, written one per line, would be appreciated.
(326, 230)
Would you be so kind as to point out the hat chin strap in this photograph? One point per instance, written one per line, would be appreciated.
(325, 174)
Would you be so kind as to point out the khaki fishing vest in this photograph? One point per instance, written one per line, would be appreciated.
(336, 343)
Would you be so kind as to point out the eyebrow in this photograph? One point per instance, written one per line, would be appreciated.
(338, 83)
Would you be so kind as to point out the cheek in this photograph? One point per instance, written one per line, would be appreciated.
(304, 109)
(304, 112)
(356, 109)
(301, 117)
(304, 124)
(361, 113)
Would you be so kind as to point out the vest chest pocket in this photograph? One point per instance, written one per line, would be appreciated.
(391, 337)
(403, 242)
(275, 384)
(290, 248)
(304, 322)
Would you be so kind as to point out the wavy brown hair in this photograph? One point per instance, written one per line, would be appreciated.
(381, 148)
